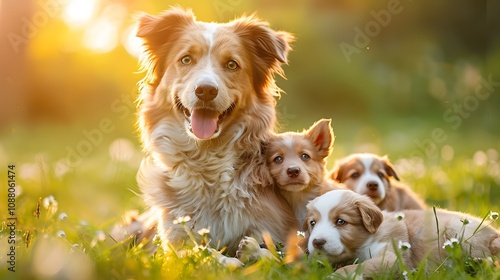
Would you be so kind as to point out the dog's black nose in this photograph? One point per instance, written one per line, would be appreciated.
(206, 92)
(372, 186)
(293, 171)
(318, 243)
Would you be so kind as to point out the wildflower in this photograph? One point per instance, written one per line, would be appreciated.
(494, 215)
(63, 216)
(404, 245)
(405, 275)
(100, 235)
(156, 238)
(400, 216)
(61, 234)
(182, 220)
(451, 243)
(50, 203)
(204, 231)
(301, 234)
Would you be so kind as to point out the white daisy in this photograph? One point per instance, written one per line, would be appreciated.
(400, 216)
(494, 215)
(404, 245)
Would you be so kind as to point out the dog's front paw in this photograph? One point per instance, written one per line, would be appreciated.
(229, 262)
(249, 251)
(347, 272)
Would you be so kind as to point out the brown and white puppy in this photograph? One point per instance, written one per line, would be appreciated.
(375, 176)
(207, 105)
(344, 226)
(297, 163)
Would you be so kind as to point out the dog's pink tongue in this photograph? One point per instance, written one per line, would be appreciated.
(203, 123)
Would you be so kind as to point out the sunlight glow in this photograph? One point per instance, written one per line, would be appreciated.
(103, 34)
(131, 42)
(79, 12)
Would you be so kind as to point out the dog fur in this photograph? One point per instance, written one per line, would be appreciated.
(377, 178)
(344, 226)
(297, 163)
(207, 105)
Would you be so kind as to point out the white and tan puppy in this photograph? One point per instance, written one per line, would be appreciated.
(376, 177)
(344, 226)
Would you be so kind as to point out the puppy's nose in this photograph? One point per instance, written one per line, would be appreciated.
(206, 92)
(318, 243)
(372, 186)
(293, 171)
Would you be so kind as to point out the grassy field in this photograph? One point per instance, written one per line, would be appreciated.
(65, 211)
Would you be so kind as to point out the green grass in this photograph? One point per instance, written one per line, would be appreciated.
(69, 237)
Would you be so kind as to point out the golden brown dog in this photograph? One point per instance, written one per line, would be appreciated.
(207, 105)
(297, 163)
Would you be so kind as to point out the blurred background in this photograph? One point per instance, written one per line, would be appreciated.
(416, 80)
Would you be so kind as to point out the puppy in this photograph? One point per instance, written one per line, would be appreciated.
(371, 174)
(297, 163)
(206, 106)
(344, 226)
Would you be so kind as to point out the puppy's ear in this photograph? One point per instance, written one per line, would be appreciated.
(157, 32)
(321, 134)
(370, 214)
(268, 48)
(389, 168)
(336, 172)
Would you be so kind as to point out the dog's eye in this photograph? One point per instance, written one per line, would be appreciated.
(232, 65)
(305, 157)
(355, 175)
(312, 223)
(278, 159)
(340, 222)
(186, 60)
(381, 175)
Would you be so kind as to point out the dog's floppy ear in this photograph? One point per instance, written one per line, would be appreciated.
(389, 168)
(337, 172)
(370, 214)
(268, 48)
(321, 135)
(157, 32)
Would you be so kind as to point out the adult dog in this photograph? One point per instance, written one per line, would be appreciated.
(207, 105)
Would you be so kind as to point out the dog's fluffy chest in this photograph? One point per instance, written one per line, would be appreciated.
(203, 182)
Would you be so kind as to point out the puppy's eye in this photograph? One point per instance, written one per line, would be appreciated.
(278, 159)
(381, 175)
(355, 175)
(186, 60)
(312, 223)
(340, 222)
(232, 65)
(305, 157)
